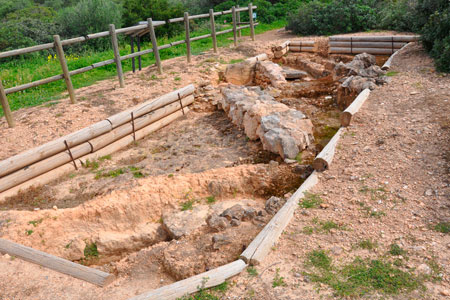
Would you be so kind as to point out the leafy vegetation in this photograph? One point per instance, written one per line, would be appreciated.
(278, 280)
(430, 18)
(368, 244)
(310, 200)
(443, 227)
(90, 250)
(361, 276)
(214, 293)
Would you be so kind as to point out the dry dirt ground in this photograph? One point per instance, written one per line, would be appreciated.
(389, 182)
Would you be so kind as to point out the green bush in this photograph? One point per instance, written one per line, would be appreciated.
(28, 26)
(90, 16)
(399, 15)
(161, 10)
(436, 39)
(326, 18)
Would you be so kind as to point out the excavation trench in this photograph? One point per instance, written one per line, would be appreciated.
(188, 198)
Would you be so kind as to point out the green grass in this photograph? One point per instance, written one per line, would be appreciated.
(367, 244)
(210, 199)
(38, 66)
(310, 200)
(29, 232)
(278, 280)
(392, 73)
(111, 174)
(35, 223)
(322, 227)
(90, 250)
(361, 276)
(252, 271)
(187, 205)
(396, 250)
(215, 293)
(443, 227)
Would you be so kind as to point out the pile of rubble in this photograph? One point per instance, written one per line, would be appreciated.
(359, 74)
(281, 130)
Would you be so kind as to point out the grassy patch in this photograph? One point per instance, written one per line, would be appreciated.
(215, 293)
(372, 212)
(443, 227)
(367, 244)
(252, 271)
(187, 205)
(235, 61)
(91, 164)
(90, 251)
(322, 226)
(379, 193)
(310, 200)
(29, 232)
(392, 73)
(111, 174)
(298, 158)
(396, 250)
(137, 173)
(361, 276)
(210, 199)
(36, 67)
(36, 222)
(278, 280)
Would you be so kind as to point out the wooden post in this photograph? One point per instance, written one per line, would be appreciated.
(65, 69)
(151, 29)
(233, 15)
(139, 50)
(115, 45)
(252, 26)
(58, 264)
(213, 29)
(5, 105)
(238, 19)
(133, 63)
(188, 38)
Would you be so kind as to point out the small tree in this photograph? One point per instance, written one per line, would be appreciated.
(90, 16)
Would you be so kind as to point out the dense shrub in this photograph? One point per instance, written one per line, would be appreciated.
(436, 38)
(141, 10)
(90, 16)
(325, 18)
(28, 26)
(399, 15)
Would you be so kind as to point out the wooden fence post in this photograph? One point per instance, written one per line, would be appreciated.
(139, 50)
(233, 15)
(238, 19)
(252, 26)
(133, 62)
(5, 105)
(213, 29)
(115, 45)
(188, 38)
(65, 69)
(154, 44)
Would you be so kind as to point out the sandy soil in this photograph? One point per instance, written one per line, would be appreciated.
(398, 145)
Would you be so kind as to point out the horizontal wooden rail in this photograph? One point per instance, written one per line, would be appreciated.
(193, 284)
(58, 264)
(33, 84)
(347, 44)
(392, 38)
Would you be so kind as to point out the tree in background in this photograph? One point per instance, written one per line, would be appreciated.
(29, 26)
(140, 10)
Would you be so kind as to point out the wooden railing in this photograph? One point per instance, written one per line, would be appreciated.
(147, 27)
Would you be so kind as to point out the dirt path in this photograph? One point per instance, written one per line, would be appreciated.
(389, 183)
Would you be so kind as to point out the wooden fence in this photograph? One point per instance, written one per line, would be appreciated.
(134, 31)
